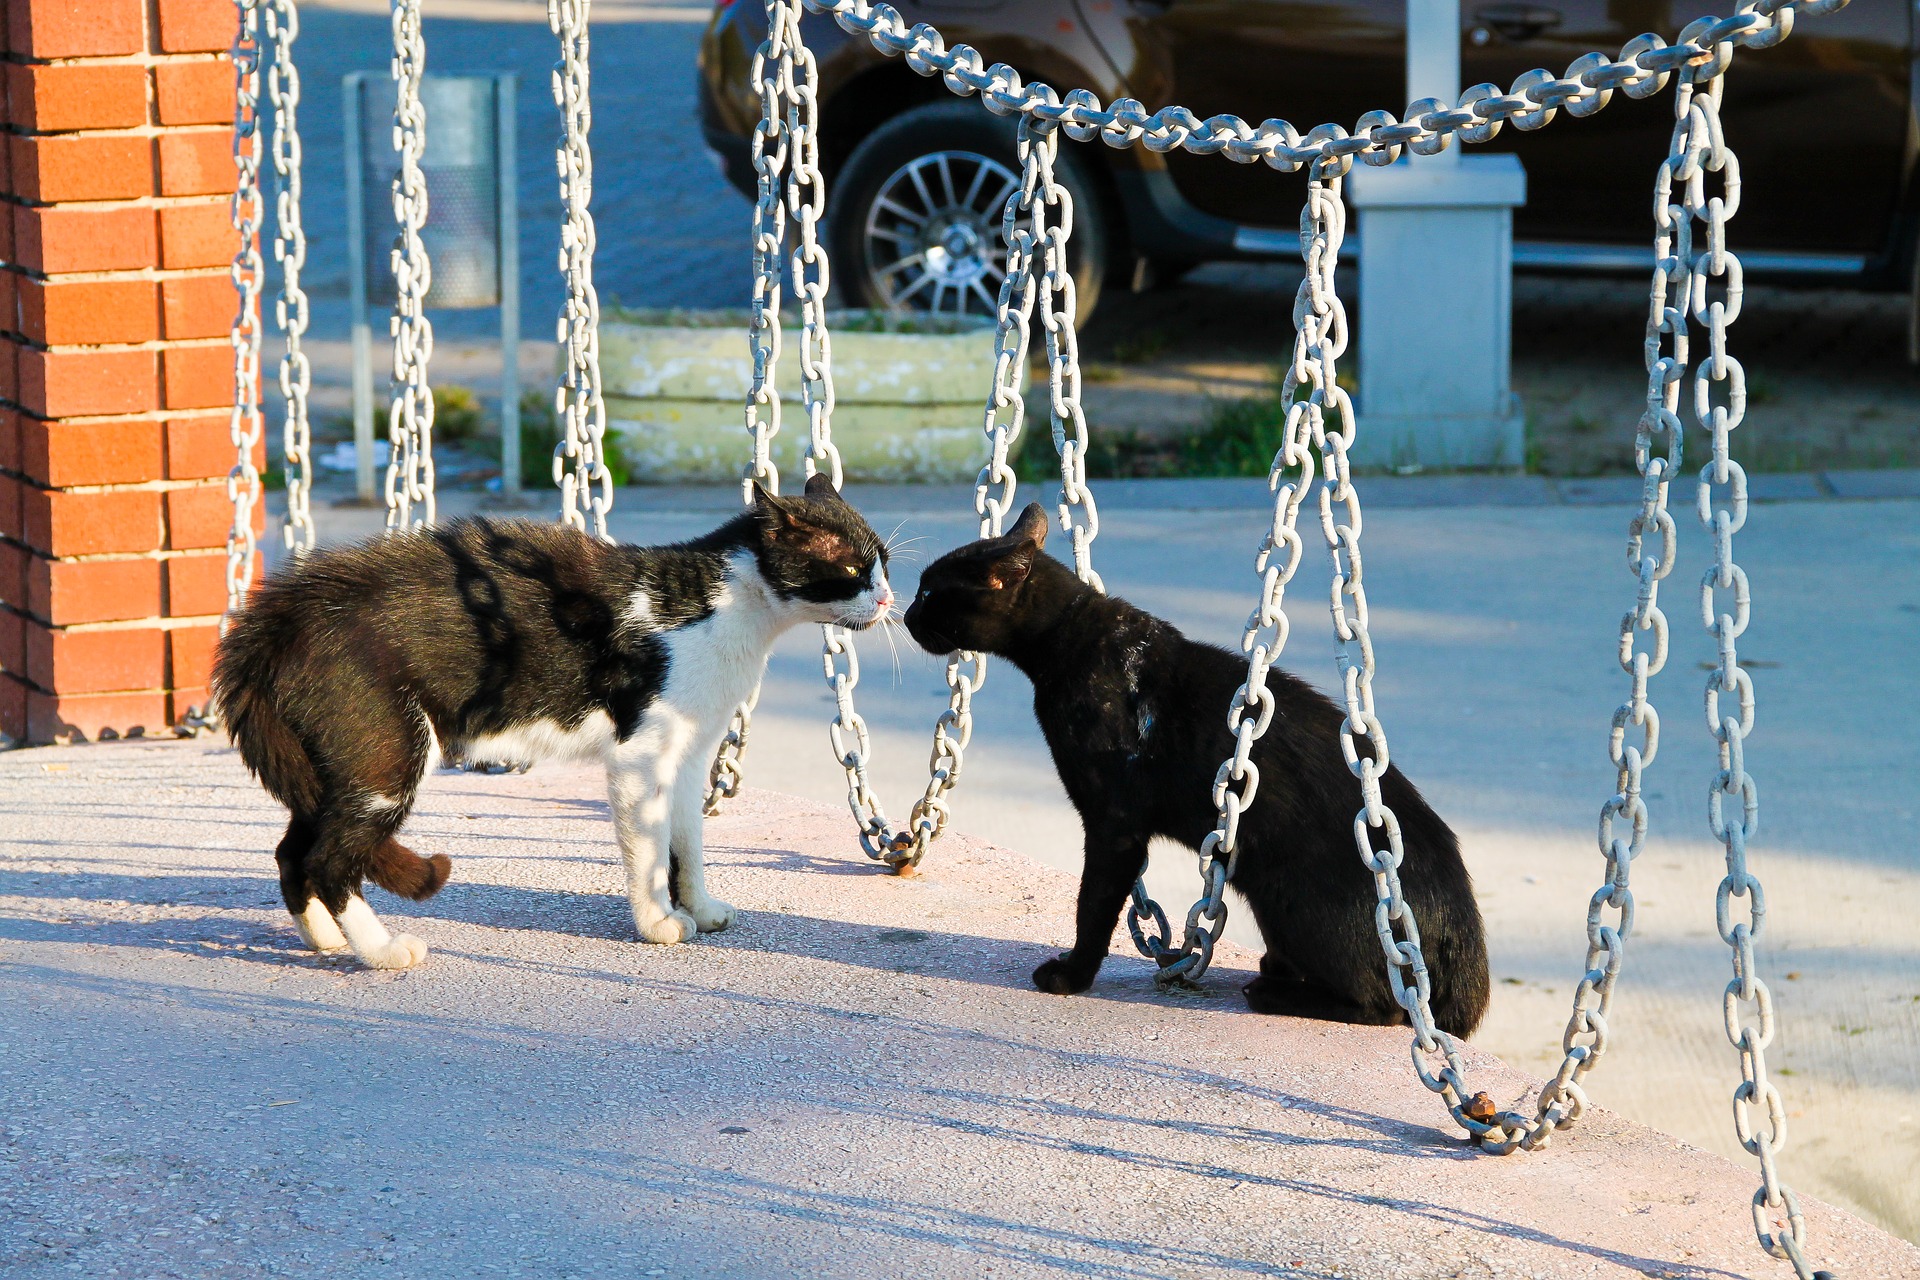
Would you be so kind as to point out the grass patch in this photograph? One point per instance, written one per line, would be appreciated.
(1238, 437)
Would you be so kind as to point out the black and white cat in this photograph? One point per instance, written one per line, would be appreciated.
(351, 669)
(1135, 716)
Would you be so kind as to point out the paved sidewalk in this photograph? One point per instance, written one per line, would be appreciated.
(1496, 628)
(855, 1081)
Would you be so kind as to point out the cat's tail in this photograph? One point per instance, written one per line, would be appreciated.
(1462, 985)
(398, 869)
(245, 694)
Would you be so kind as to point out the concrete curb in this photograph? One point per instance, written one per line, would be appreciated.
(1399, 492)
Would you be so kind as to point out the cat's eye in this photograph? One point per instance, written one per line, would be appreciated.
(853, 570)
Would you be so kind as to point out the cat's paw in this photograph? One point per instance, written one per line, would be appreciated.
(710, 914)
(674, 927)
(319, 930)
(1061, 977)
(402, 951)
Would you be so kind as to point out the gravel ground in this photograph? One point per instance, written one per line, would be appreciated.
(856, 1080)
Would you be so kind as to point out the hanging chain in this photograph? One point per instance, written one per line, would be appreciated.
(1733, 803)
(1657, 446)
(1320, 338)
(579, 460)
(246, 209)
(410, 416)
(1531, 102)
(772, 76)
(1079, 516)
(290, 250)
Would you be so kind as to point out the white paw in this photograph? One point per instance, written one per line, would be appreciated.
(318, 930)
(402, 951)
(711, 914)
(669, 929)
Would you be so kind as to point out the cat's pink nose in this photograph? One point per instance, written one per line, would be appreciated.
(885, 599)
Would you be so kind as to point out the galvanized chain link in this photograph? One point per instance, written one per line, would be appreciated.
(290, 250)
(410, 415)
(1038, 143)
(1435, 1053)
(1658, 440)
(579, 460)
(900, 849)
(1377, 138)
(772, 76)
(1320, 338)
(247, 212)
(1733, 802)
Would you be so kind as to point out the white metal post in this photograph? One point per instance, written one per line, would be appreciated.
(1436, 257)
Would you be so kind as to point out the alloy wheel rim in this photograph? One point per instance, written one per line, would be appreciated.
(932, 234)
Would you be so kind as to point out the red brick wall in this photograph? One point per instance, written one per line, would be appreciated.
(115, 371)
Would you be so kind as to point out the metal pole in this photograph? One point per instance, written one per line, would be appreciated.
(357, 281)
(508, 188)
(1433, 60)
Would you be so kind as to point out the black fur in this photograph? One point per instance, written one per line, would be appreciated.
(329, 679)
(1135, 716)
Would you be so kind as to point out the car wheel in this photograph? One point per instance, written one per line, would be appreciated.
(914, 216)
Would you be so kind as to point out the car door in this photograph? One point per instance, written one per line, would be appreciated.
(1819, 124)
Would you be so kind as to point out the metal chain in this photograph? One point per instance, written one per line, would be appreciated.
(1658, 441)
(1079, 516)
(1430, 125)
(1320, 338)
(772, 75)
(246, 210)
(290, 250)
(579, 460)
(1733, 803)
(410, 416)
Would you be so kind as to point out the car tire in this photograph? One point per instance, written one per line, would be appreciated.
(875, 199)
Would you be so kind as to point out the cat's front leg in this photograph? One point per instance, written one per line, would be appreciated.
(1114, 861)
(689, 856)
(642, 823)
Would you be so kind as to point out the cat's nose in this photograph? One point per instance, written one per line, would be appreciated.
(885, 598)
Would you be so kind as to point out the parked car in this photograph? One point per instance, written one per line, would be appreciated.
(1821, 124)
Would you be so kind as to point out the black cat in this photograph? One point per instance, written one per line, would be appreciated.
(351, 668)
(1135, 716)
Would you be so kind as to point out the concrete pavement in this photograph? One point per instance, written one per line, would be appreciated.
(1496, 629)
(854, 1081)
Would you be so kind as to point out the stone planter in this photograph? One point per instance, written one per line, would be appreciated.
(910, 394)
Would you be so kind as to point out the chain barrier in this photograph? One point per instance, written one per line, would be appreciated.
(1733, 802)
(1429, 126)
(1079, 516)
(246, 210)
(290, 250)
(579, 460)
(410, 415)
(772, 75)
(1320, 338)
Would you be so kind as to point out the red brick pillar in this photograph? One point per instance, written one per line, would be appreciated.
(116, 375)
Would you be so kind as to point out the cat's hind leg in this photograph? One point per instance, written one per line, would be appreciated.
(316, 924)
(709, 913)
(643, 824)
(1281, 989)
(350, 839)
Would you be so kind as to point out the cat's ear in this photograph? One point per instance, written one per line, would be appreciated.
(1009, 572)
(1031, 527)
(820, 485)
